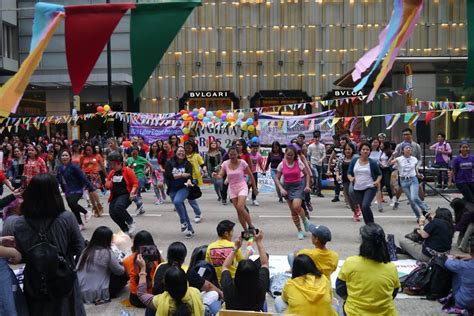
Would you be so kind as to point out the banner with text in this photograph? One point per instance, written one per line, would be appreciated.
(153, 133)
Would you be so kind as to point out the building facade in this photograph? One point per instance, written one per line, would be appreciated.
(267, 52)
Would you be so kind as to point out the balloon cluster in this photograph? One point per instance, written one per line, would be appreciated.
(219, 116)
(102, 109)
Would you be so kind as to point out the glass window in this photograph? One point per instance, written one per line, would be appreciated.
(7, 43)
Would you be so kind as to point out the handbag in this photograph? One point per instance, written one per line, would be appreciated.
(414, 236)
(194, 192)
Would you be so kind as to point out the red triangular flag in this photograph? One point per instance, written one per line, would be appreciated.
(347, 120)
(87, 30)
(429, 116)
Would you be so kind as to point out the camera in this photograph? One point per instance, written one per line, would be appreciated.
(250, 233)
(149, 253)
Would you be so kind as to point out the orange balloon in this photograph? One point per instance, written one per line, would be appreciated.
(190, 118)
(218, 113)
(100, 109)
(185, 138)
(182, 112)
(126, 144)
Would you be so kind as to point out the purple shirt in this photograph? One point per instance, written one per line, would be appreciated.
(463, 169)
(440, 157)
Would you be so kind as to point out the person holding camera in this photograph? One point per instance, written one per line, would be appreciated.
(219, 250)
(236, 169)
(247, 290)
(101, 276)
(296, 183)
(123, 186)
(145, 247)
(437, 234)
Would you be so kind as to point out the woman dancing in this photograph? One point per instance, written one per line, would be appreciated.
(213, 160)
(294, 187)
(91, 163)
(156, 173)
(235, 169)
(273, 160)
(342, 166)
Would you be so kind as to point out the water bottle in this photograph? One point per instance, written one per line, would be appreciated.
(430, 164)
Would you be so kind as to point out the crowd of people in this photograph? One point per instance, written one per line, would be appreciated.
(63, 272)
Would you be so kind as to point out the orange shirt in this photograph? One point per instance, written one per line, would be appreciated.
(133, 270)
(91, 164)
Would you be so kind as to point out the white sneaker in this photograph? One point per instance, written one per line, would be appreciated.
(132, 227)
(392, 203)
(197, 219)
(140, 210)
(188, 234)
(87, 216)
(255, 202)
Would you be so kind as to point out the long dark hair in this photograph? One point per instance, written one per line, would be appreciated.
(42, 198)
(249, 291)
(176, 284)
(303, 265)
(280, 149)
(144, 238)
(154, 154)
(374, 245)
(164, 154)
(176, 253)
(101, 239)
(445, 215)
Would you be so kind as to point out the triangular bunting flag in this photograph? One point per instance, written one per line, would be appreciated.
(408, 116)
(347, 120)
(44, 14)
(388, 119)
(394, 121)
(455, 114)
(335, 120)
(153, 27)
(367, 120)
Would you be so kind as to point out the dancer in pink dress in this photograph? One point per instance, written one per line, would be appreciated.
(236, 169)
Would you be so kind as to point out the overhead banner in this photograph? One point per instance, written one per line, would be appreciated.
(284, 132)
(88, 29)
(153, 133)
(153, 27)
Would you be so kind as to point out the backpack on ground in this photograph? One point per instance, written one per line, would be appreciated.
(48, 274)
(429, 278)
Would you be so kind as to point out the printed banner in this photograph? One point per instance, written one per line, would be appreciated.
(153, 133)
(283, 134)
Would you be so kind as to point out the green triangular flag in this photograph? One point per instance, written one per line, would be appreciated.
(153, 27)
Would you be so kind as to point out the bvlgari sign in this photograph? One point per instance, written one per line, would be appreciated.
(208, 94)
(347, 93)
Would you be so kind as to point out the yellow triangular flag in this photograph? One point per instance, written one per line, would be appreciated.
(335, 120)
(367, 120)
(456, 113)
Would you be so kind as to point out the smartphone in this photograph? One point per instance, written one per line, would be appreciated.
(247, 234)
(149, 253)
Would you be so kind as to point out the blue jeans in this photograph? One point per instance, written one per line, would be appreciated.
(178, 198)
(194, 204)
(10, 292)
(364, 198)
(410, 187)
(317, 174)
(280, 305)
(217, 186)
(274, 173)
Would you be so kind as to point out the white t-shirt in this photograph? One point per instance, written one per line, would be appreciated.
(384, 160)
(375, 154)
(316, 152)
(406, 166)
(363, 176)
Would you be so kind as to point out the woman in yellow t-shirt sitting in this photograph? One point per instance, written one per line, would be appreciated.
(308, 292)
(369, 282)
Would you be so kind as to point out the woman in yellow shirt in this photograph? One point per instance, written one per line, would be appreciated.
(308, 292)
(369, 282)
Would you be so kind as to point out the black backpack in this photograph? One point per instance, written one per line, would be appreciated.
(48, 274)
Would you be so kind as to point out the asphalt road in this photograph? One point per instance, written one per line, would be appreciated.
(280, 234)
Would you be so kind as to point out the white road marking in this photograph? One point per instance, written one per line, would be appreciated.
(333, 216)
(134, 215)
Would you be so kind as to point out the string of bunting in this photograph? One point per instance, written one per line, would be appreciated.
(171, 119)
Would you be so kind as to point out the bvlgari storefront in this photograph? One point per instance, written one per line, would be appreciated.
(211, 100)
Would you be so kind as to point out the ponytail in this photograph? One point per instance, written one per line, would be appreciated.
(182, 309)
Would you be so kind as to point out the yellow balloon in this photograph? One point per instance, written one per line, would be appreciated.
(244, 127)
(185, 131)
(106, 108)
(218, 113)
(251, 128)
(200, 116)
(185, 116)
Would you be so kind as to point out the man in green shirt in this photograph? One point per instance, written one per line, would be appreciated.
(139, 164)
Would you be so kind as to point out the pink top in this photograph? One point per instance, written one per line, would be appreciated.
(255, 158)
(235, 177)
(291, 174)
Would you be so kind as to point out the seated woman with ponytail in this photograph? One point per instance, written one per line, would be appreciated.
(178, 299)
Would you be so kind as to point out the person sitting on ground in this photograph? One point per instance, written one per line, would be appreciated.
(142, 242)
(437, 234)
(464, 218)
(463, 279)
(178, 298)
(8, 282)
(176, 256)
(100, 274)
(369, 282)
(247, 290)
(219, 250)
(325, 259)
(307, 293)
